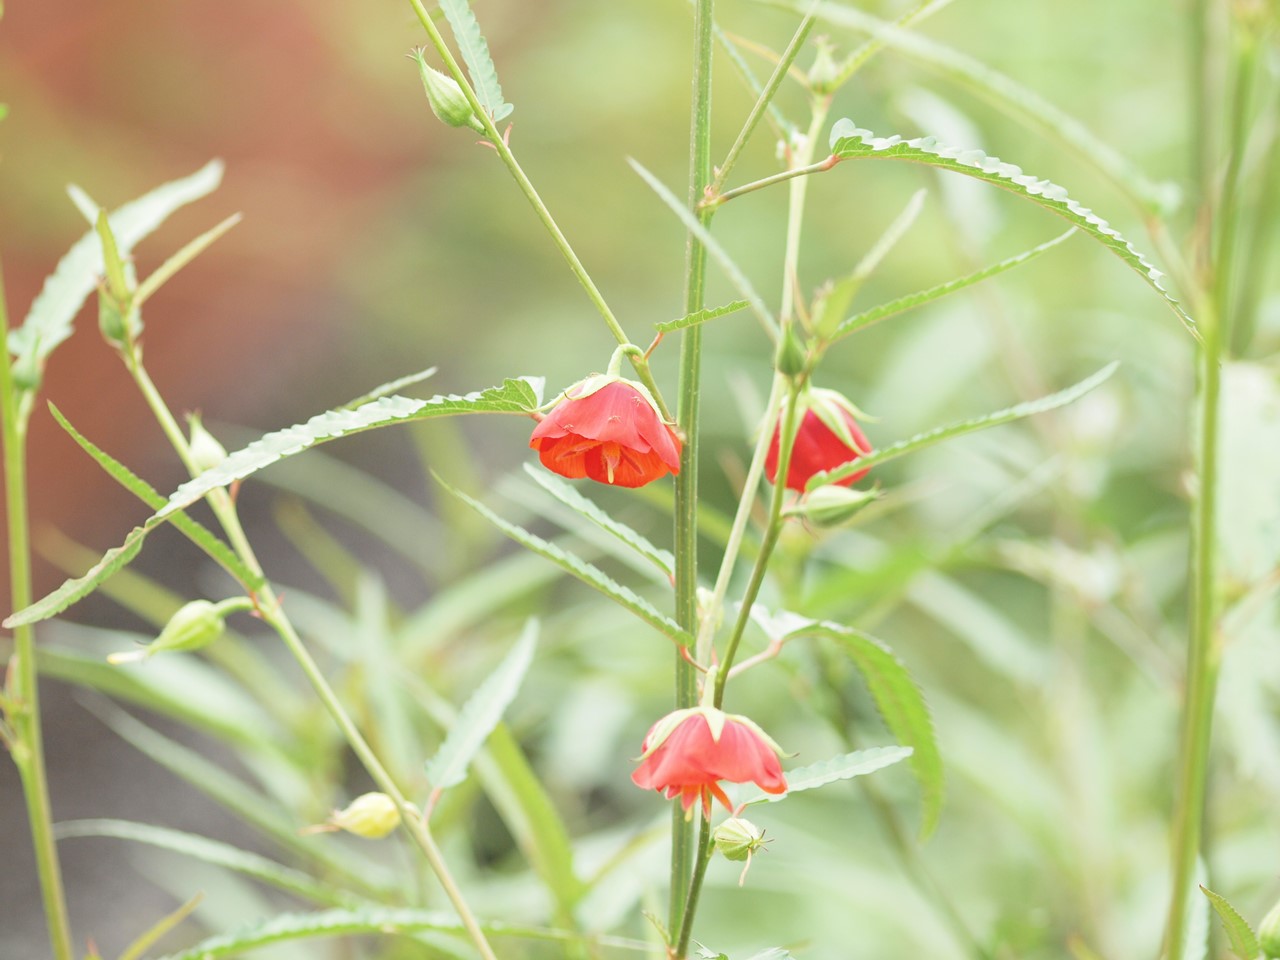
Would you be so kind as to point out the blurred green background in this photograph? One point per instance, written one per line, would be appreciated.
(1031, 577)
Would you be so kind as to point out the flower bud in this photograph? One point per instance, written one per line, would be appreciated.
(195, 625)
(446, 98)
(825, 72)
(737, 839)
(1269, 933)
(370, 815)
(206, 451)
(792, 359)
(27, 374)
(832, 506)
(113, 323)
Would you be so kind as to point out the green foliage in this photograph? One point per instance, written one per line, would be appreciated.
(848, 142)
(833, 770)
(1244, 942)
(701, 316)
(475, 51)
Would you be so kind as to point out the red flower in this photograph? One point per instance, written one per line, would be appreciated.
(610, 430)
(828, 437)
(688, 752)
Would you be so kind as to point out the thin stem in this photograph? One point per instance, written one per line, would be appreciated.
(790, 174)
(22, 697)
(1227, 215)
(695, 889)
(683, 868)
(765, 98)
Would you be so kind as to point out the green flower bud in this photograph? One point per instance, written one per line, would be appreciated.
(792, 359)
(737, 839)
(111, 320)
(195, 625)
(1269, 934)
(27, 374)
(833, 506)
(371, 815)
(446, 98)
(206, 451)
(825, 71)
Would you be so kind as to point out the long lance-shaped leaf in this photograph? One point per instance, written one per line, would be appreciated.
(867, 317)
(951, 431)
(210, 851)
(1244, 942)
(849, 142)
(846, 766)
(470, 39)
(718, 253)
(570, 497)
(519, 396)
(1007, 95)
(482, 712)
(900, 703)
(587, 573)
(77, 588)
(701, 316)
(52, 312)
(375, 922)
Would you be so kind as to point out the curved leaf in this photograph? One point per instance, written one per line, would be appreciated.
(210, 851)
(846, 766)
(901, 705)
(848, 142)
(466, 31)
(53, 311)
(701, 316)
(950, 431)
(77, 588)
(1244, 942)
(481, 714)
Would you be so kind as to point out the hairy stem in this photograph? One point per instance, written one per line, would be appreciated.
(695, 889)
(22, 699)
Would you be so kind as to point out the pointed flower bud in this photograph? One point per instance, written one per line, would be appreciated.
(825, 72)
(609, 429)
(792, 359)
(687, 753)
(206, 451)
(370, 815)
(446, 98)
(196, 624)
(828, 437)
(832, 505)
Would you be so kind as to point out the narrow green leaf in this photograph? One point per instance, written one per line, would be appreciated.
(931, 437)
(180, 259)
(773, 953)
(158, 930)
(482, 712)
(588, 574)
(209, 851)
(782, 127)
(701, 316)
(111, 258)
(475, 51)
(391, 386)
(1244, 942)
(570, 497)
(520, 396)
(843, 767)
(848, 142)
(374, 921)
(901, 705)
(731, 269)
(867, 317)
(77, 588)
(49, 321)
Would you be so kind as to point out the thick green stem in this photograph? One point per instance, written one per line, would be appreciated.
(22, 693)
(687, 416)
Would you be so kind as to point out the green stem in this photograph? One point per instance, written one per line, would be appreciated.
(695, 889)
(789, 174)
(1227, 214)
(686, 483)
(22, 691)
(1204, 649)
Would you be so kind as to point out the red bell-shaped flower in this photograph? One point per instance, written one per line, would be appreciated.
(687, 753)
(828, 437)
(608, 429)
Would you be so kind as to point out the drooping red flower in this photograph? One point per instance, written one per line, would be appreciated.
(687, 753)
(608, 429)
(828, 437)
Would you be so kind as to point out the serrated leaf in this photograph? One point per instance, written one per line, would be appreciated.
(953, 430)
(867, 317)
(700, 316)
(717, 252)
(391, 386)
(49, 321)
(900, 703)
(482, 712)
(587, 573)
(1244, 942)
(570, 497)
(209, 851)
(519, 396)
(475, 51)
(846, 766)
(77, 588)
(848, 142)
